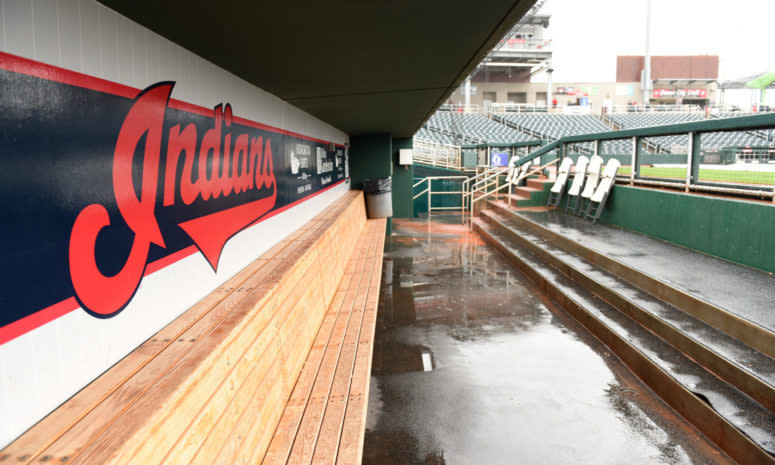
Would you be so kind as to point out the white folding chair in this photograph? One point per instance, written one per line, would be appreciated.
(593, 176)
(519, 175)
(555, 194)
(599, 198)
(512, 169)
(572, 203)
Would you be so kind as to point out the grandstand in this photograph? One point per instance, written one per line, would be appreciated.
(452, 127)
(468, 128)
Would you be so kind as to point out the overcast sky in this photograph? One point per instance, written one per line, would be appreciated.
(588, 35)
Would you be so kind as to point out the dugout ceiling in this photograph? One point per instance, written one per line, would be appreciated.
(362, 66)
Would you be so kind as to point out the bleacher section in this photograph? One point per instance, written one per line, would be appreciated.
(671, 143)
(553, 126)
(451, 127)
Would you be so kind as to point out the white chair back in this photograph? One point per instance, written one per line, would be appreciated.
(578, 178)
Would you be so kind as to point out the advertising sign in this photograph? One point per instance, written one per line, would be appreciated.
(499, 159)
(103, 184)
(680, 93)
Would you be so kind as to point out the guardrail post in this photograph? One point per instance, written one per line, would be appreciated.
(693, 168)
(430, 197)
(635, 167)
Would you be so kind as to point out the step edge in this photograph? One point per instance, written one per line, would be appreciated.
(731, 372)
(748, 332)
(743, 449)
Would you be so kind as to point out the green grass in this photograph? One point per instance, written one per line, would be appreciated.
(706, 174)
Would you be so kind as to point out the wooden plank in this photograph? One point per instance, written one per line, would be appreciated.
(309, 430)
(84, 429)
(330, 430)
(225, 427)
(111, 408)
(351, 442)
(320, 388)
(151, 443)
(41, 436)
(202, 358)
(286, 430)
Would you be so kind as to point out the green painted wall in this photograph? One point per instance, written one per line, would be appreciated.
(737, 230)
(403, 178)
(370, 157)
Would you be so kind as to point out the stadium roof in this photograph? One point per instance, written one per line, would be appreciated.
(740, 83)
(364, 67)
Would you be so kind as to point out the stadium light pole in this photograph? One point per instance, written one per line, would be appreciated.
(468, 93)
(646, 79)
(549, 71)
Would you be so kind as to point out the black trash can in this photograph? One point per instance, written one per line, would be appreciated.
(379, 199)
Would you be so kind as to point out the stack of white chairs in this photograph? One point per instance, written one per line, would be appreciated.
(593, 176)
(598, 199)
(555, 194)
(572, 203)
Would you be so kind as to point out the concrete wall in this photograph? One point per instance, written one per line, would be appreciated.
(737, 230)
(44, 366)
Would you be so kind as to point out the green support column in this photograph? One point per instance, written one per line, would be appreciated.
(696, 156)
(371, 157)
(403, 178)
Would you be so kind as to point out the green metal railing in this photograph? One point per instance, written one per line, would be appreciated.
(696, 170)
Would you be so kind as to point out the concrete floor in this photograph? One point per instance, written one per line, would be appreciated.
(473, 365)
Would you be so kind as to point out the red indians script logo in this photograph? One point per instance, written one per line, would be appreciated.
(248, 167)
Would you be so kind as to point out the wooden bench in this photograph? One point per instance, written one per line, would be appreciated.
(272, 367)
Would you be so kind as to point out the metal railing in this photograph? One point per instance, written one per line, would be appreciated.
(516, 108)
(460, 108)
(429, 192)
(656, 108)
(698, 169)
(437, 154)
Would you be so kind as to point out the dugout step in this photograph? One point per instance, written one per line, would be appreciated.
(741, 426)
(737, 363)
(733, 298)
(744, 291)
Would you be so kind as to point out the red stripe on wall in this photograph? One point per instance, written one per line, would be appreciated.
(40, 70)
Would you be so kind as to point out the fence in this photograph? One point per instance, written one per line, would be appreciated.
(709, 166)
(437, 154)
(439, 193)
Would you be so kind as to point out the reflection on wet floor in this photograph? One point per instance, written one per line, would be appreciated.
(473, 365)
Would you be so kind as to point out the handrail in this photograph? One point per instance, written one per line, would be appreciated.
(534, 171)
(429, 191)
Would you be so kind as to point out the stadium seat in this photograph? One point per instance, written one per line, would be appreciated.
(593, 175)
(599, 198)
(572, 203)
(555, 194)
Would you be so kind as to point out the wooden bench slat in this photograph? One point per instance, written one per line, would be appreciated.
(118, 435)
(312, 413)
(93, 422)
(247, 373)
(41, 436)
(227, 425)
(286, 430)
(351, 442)
(328, 440)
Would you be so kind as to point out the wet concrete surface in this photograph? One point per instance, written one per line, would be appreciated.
(744, 291)
(474, 365)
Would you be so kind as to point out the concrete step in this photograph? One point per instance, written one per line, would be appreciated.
(729, 358)
(750, 333)
(741, 426)
(538, 183)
